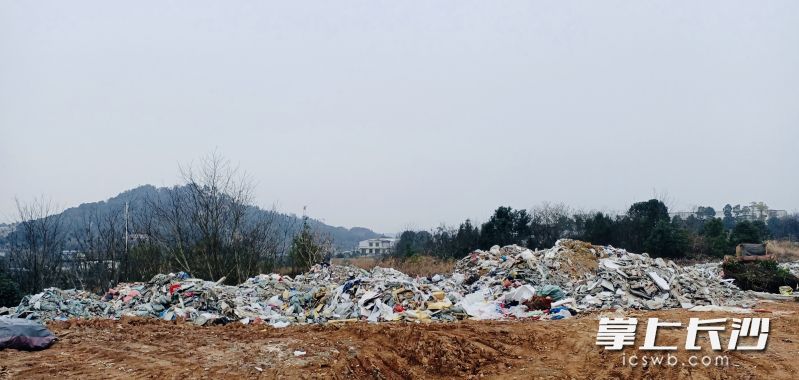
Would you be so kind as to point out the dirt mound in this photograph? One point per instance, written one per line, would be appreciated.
(578, 257)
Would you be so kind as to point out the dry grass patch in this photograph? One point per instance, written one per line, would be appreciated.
(423, 266)
(783, 250)
(361, 262)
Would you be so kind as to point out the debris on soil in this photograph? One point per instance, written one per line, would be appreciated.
(501, 283)
(150, 348)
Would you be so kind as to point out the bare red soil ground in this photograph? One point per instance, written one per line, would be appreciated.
(565, 349)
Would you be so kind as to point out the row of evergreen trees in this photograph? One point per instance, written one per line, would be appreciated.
(645, 227)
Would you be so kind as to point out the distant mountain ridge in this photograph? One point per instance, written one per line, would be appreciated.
(74, 217)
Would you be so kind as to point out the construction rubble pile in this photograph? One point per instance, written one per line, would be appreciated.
(792, 267)
(509, 282)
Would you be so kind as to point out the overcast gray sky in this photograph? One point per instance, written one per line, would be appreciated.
(391, 114)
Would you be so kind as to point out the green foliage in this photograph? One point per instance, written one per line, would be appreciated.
(785, 228)
(466, 240)
(667, 240)
(705, 213)
(443, 243)
(506, 226)
(729, 219)
(762, 229)
(597, 229)
(640, 221)
(760, 276)
(715, 238)
(412, 243)
(748, 232)
(649, 212)
(9, 291)
(691, 223)
(713, 228)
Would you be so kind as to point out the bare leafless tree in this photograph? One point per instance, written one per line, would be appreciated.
(209, 227)
(101, 247)
(36, 247)
(550, 222)
(218, 198)
(145, 256)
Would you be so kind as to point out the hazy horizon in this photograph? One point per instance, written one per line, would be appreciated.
(390, 115)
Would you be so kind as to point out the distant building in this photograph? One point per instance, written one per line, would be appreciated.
(342, 254)
(682, 214)
(77, 260)
(379, 246)
(777, 214)
(135, 239)
(751, 215)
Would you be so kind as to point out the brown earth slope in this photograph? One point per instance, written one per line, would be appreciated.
(136, 348)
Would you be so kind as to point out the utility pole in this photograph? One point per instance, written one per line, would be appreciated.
(126, 229)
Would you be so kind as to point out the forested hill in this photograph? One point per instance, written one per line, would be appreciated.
(76, 218)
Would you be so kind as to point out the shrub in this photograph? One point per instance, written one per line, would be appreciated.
(9, 292)
(760, 276)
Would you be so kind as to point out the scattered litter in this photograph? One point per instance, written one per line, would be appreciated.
(299, 353)
(501, 283)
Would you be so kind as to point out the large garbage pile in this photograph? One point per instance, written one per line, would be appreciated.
(508, 282)
(594, 277)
